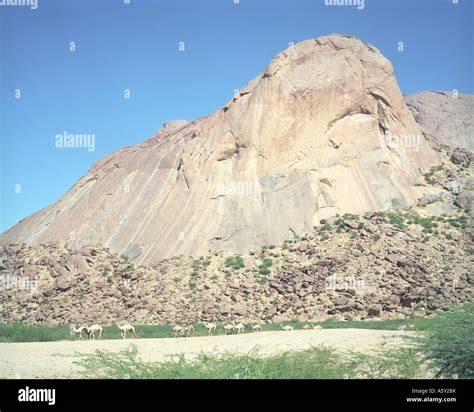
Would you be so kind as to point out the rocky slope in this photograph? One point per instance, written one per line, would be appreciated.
(371, 268)
(446, 120)
(322, 130)
(387, 265)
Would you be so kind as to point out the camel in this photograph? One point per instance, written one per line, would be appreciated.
(93, 330)
(229, 328)
(288, 328)
(257, 328)
(240, 327)
(189, 330)
(80, 330)
(176, 330)
(211, 327)
(126, 328)
(402, 328)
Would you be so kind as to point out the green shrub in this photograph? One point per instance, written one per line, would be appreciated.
(325, 227)
(263, 269)
(450, 346)
(235, 262)
(392, 364)
(315, 363)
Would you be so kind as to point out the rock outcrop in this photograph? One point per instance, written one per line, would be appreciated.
(324, 129)
(445, 117)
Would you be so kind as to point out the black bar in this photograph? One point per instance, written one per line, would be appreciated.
(383, 393)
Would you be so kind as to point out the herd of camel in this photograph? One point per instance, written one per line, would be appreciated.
(92, 331)
(96, 331)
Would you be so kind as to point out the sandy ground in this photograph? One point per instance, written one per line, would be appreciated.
(41, 360)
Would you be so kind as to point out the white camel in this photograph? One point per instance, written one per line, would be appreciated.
(257, 328)
(211, 327)
(176, 330)
(287, 328)
(189, 330)
(240, 327)
(93, 330)
(229, 328)
(80, 330)
(126, 328)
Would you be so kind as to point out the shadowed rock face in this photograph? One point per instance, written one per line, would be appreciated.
(446, 119)
(323, 130)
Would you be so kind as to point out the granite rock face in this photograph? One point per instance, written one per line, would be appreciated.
(324, 129)
(445, 117)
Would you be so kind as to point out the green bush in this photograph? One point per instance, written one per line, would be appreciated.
(325, 227)
(235, 262)
(315, 363)
(396, 363)
(450, 346)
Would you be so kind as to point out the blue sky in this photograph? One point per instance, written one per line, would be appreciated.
(136, 46)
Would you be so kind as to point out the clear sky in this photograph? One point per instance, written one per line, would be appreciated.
(136, 47)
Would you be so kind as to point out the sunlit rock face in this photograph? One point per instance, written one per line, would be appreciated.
(323, 130)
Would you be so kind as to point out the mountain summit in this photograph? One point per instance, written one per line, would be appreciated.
(324, 129)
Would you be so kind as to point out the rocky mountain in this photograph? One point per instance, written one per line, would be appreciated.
(324, 129)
